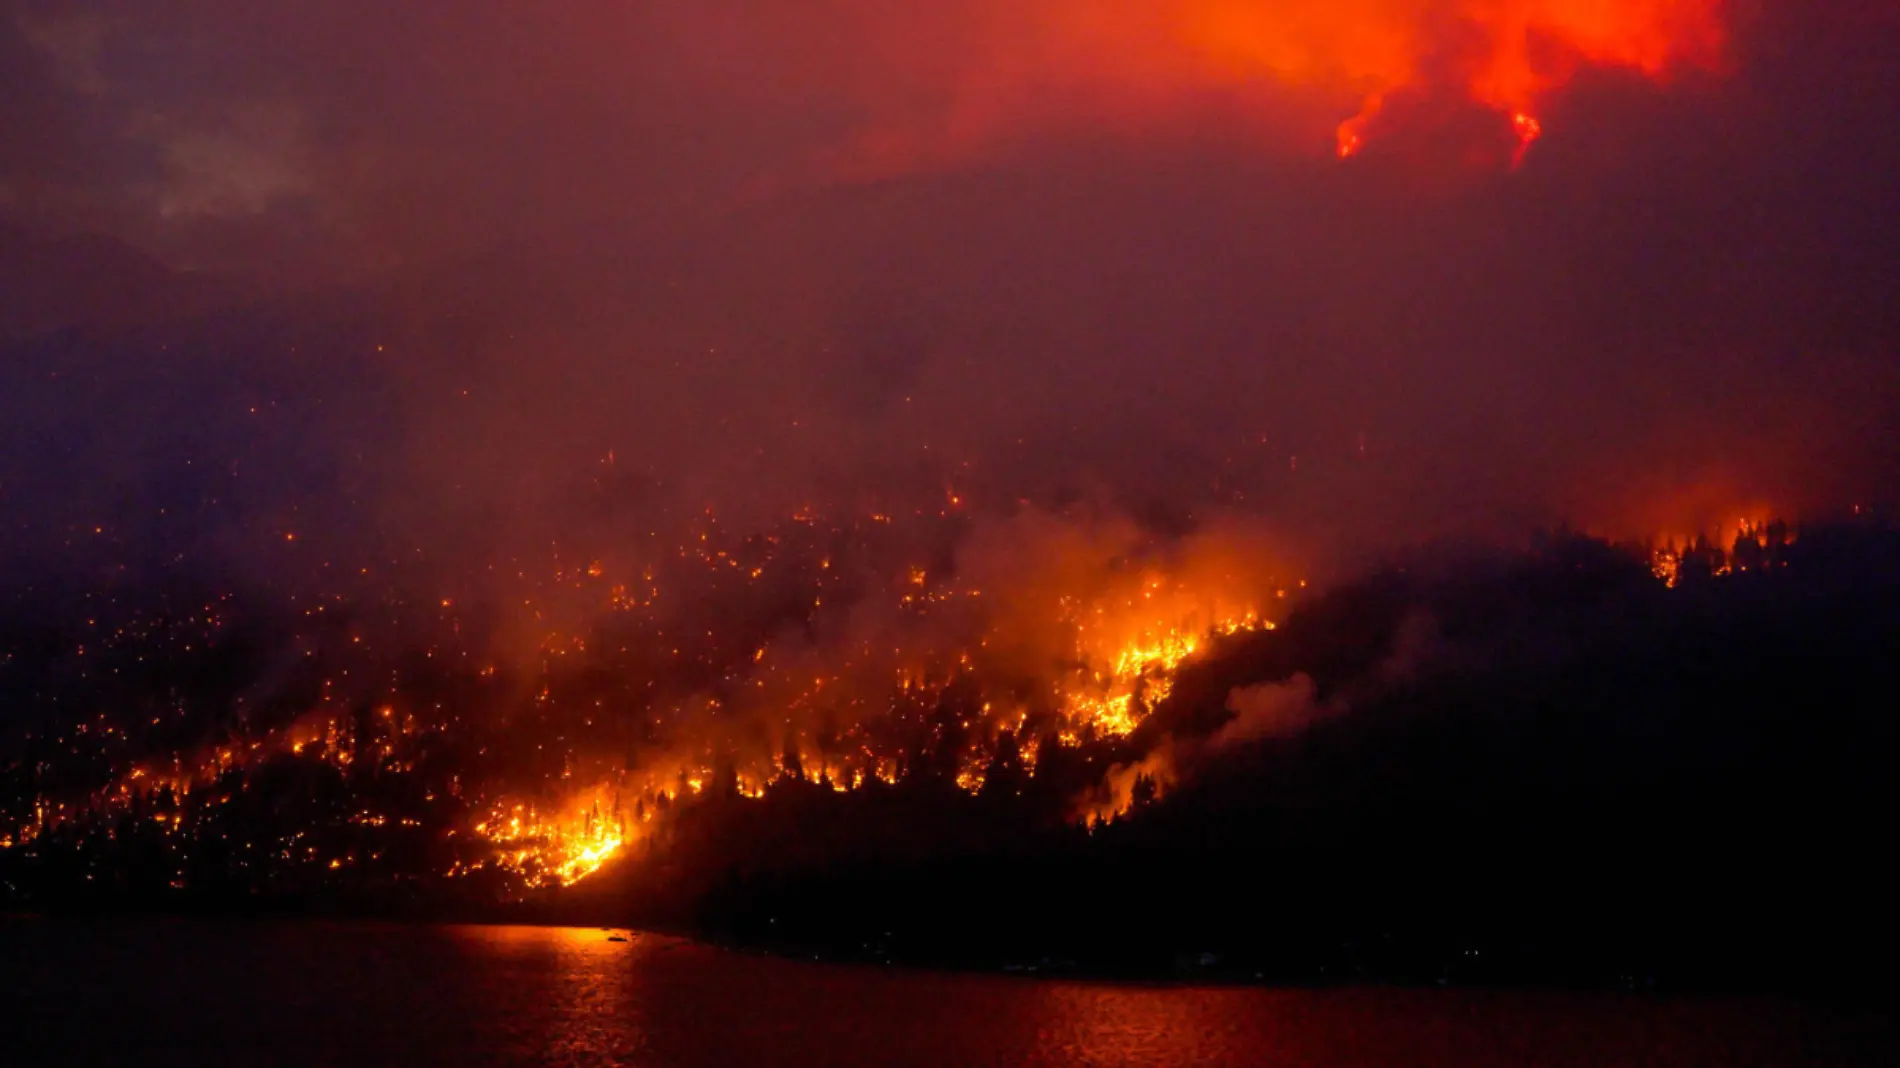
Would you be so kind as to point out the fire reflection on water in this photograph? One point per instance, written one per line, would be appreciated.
(182, 994)
(585, 999)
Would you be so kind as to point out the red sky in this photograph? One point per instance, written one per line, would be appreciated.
(778, 249)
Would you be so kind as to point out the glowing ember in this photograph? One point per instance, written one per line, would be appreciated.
(1666, 564)
(1528, 130)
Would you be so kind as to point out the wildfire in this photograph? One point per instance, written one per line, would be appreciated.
(1082, 649)
(1300, 65)
(1666, 564)
(1754, 545)
(1528, 130)
(1506, 55)
(832, 656)
(1140, 674)
(558, 849)
(828, 654)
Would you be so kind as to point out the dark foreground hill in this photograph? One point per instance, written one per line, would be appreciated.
(1546, 768)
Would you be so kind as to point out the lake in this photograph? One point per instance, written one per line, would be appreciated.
(162, 993)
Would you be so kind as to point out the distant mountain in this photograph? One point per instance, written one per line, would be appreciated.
(51, 282)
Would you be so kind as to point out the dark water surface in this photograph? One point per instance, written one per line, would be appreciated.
(157, 994)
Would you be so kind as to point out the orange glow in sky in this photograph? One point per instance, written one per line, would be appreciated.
(1338, 61)
(1507, 55)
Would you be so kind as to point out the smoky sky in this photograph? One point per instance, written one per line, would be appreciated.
(501, 274)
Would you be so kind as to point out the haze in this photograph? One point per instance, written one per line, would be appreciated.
(478, 278)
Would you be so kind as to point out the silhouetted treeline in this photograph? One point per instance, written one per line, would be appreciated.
(1548, 767)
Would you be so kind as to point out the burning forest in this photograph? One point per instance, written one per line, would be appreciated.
(824, 652)
(924, 482)
(975, 678)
